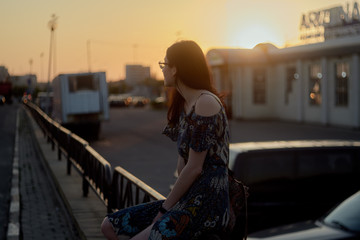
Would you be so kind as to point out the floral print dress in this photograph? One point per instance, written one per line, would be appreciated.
(205, 207)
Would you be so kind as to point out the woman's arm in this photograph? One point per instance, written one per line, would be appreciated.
(206, 105)
(180, 165)
(188, 174)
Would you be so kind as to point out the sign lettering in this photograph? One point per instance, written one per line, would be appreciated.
(330, 23)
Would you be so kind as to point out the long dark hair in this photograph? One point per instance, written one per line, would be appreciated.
(192, 70)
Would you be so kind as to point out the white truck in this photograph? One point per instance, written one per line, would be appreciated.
(81, 102)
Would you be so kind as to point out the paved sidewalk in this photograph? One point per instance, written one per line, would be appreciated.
(43, 214)
(86, 213)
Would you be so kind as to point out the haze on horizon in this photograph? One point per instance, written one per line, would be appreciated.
(138, 32)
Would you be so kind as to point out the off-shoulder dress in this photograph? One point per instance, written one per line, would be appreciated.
(205, 207)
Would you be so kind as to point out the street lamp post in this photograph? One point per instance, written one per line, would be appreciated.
(89, 55)
(29, 82)
(30, 63)
(42, 66)
(52, 25)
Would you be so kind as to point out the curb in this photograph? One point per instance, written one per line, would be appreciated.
(13, 231)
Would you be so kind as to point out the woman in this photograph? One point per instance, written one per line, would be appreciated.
(199, 201)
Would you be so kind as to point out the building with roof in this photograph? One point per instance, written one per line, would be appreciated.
(136, 74)
(312, 83)
(29, 81)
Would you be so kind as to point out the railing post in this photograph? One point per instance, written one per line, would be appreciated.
(122, 192)
(68, 149)
(68, 161)
(59, 153)
(53, 130)
(108, 193)
(110, 202)
(84, 159)
(109, 205)
(68, 166)
(52, 144)
(85, 186)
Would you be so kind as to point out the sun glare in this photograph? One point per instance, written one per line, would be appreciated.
(253, 34)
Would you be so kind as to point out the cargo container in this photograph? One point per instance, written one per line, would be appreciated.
(80, 102)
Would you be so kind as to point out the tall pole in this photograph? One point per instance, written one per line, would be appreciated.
(29, 82)
(30, 63)
(50, 58)
(88, 55)
(42, 66)
(135, 46)
(54, 52)
(52, 25)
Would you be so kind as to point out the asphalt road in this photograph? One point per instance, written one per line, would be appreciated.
(132, 139)
(7, 138)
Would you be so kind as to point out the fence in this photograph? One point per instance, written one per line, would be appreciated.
(116, 190)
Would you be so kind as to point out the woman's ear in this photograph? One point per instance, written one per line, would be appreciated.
(173, 71)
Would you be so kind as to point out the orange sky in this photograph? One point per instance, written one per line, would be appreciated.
(138, 31)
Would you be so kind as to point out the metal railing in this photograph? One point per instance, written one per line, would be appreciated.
(128, 190)
(116, 190)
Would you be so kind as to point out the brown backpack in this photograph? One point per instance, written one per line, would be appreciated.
(238, 194)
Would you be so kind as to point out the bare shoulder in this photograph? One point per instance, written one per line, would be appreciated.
(207, 105)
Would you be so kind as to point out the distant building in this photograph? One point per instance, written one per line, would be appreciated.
(312, 83)
(4, 74)
(29, 81)
(136, 74)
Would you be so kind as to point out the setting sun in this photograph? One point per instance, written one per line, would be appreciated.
(255, 33)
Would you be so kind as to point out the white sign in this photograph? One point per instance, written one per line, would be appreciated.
(330, 23)
(330, 17)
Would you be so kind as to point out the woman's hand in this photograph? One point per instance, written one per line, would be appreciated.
(158, 216)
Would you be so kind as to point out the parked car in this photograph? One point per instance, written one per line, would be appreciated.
(2, 100)
(119, 100)
(139, 101)
(343, 222)
(291, 181)
(159, 103)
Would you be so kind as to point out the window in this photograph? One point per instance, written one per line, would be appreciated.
(263, 166)
(83, 82)
(315, 84)
(291, 75)
(341, 84)
(259, 86)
